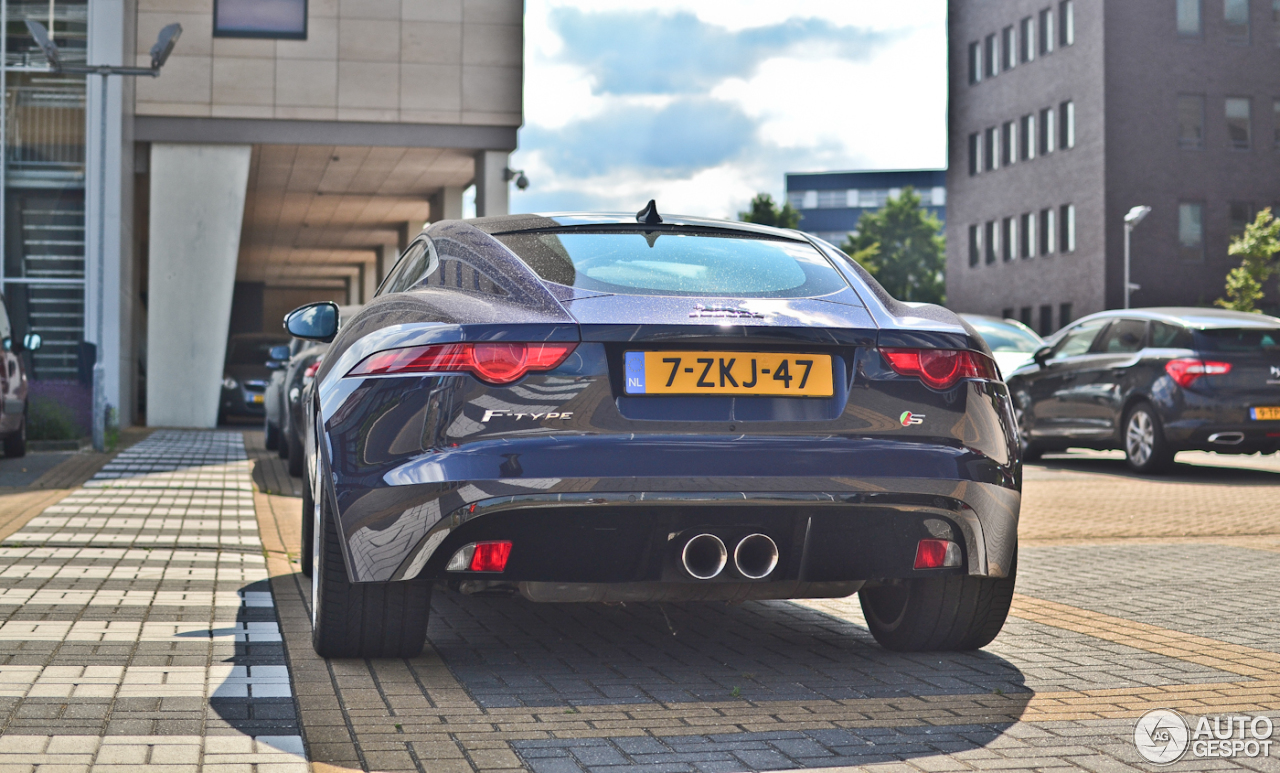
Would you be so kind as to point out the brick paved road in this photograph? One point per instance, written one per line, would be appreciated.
(139, 615)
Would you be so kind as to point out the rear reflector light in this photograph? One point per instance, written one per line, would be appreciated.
(940, 368)
(480, 557)
(310, 373)
(1186, 371)
(493, 363)
(937, 553)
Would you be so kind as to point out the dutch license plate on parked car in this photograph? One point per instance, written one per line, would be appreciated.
(257, 398)
(728, 373)
(1269, 413)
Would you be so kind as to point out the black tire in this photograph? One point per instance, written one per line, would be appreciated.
(1142, 438)
(16, 444)
(363, 620)
(944, 613)
(296, 454)
(270, 435)
(306, 555)
(1030, 451)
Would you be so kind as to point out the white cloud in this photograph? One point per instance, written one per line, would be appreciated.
(814, 110)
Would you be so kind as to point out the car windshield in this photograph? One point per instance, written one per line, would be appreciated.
(663, 263)
(1003, 337)
(255, 352)
(1244, 340)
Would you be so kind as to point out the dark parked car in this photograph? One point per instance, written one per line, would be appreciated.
(1153, 382)
(632, 408)
(278, 364)
(245, 374)
(13, 385)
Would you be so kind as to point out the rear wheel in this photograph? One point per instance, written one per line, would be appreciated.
(1145, 446)
(270, 435)
(295, 454)
(943, 613)
(362, 620)
(1030, 451)
(16, 444)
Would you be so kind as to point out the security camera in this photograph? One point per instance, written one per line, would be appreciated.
(522, 182)
(509, 174)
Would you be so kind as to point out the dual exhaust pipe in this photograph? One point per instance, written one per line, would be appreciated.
(705, 556)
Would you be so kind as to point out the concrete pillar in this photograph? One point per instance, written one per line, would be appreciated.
(369, 283)
(197, 208)
(491, 184)
(110, 295)
(447, 204)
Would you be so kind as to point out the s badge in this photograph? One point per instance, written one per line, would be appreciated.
(908, 418)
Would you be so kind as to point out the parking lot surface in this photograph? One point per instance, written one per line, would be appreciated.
(155, 617)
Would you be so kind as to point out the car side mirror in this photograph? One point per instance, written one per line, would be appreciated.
(279, 353)
(314, 322)
(1042, 355)
(32, 342)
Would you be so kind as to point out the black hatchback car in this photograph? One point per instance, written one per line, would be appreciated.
(1152, 382)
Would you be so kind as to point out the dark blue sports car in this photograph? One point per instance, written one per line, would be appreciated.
(639, 408)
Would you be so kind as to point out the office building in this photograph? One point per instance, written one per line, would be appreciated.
(1065, 115)
(286, 153)
(830, 203)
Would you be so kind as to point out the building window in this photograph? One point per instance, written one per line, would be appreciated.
(1027, 236)
(1006, 313)
(1026, 39)
(832, 199)
(1047, 134)
(1275, 21)
(280, 19)
(975, 63)
(1191, 232)
(1189, 17)
(1275, 112)
(991, 56)
(975, 153)
(1067, 228)
(1046, 31)
(1006, 239)
(1066, 22)
(1191, 121)
(1067, 125)
(1024, 315)
(1046, 319)
(989, 149)
(1008, 53)
(1047, 231)
(989, 241)
(1241, 215)
(1026, 138)
(1007, 154)
(975, 246)
(1238, 123)
(1235, 15)
(1064, 315)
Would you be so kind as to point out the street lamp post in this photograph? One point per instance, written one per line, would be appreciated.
(1131, 220)
(159, 54)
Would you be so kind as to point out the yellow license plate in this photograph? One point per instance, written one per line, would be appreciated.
(258, 398)
(1270, 413)
(728, 373)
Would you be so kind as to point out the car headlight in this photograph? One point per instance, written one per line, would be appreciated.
(229, 383)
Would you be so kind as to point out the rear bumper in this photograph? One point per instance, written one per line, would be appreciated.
(828, 530)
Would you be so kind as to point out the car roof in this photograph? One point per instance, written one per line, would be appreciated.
(1194, 317)
(562, 220)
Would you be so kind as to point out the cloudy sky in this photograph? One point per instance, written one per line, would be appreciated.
(701, 105)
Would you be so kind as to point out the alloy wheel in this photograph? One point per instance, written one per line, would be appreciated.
(1140, 438)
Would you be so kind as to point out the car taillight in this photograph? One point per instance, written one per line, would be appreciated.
(940, 368)
(480, 557)
(494, 363)
(1186, 371)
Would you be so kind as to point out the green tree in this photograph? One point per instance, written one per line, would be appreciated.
(1259, 249)
(902, 246)
(765, 212)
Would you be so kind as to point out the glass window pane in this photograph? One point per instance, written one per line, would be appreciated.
(1235, 13)
(1191, 231)
(1275, 110)
(1238, 124)
(286, 19)
(1191, 121)
(1067, 22)
(1189, 17)
(1275, 21)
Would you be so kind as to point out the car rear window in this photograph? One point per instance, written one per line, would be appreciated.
(1239, 340)
(656, 263)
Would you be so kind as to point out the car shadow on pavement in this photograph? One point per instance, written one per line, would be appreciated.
(1249, 471)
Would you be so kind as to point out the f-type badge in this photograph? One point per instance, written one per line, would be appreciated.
(908, 418)
(730, 312)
